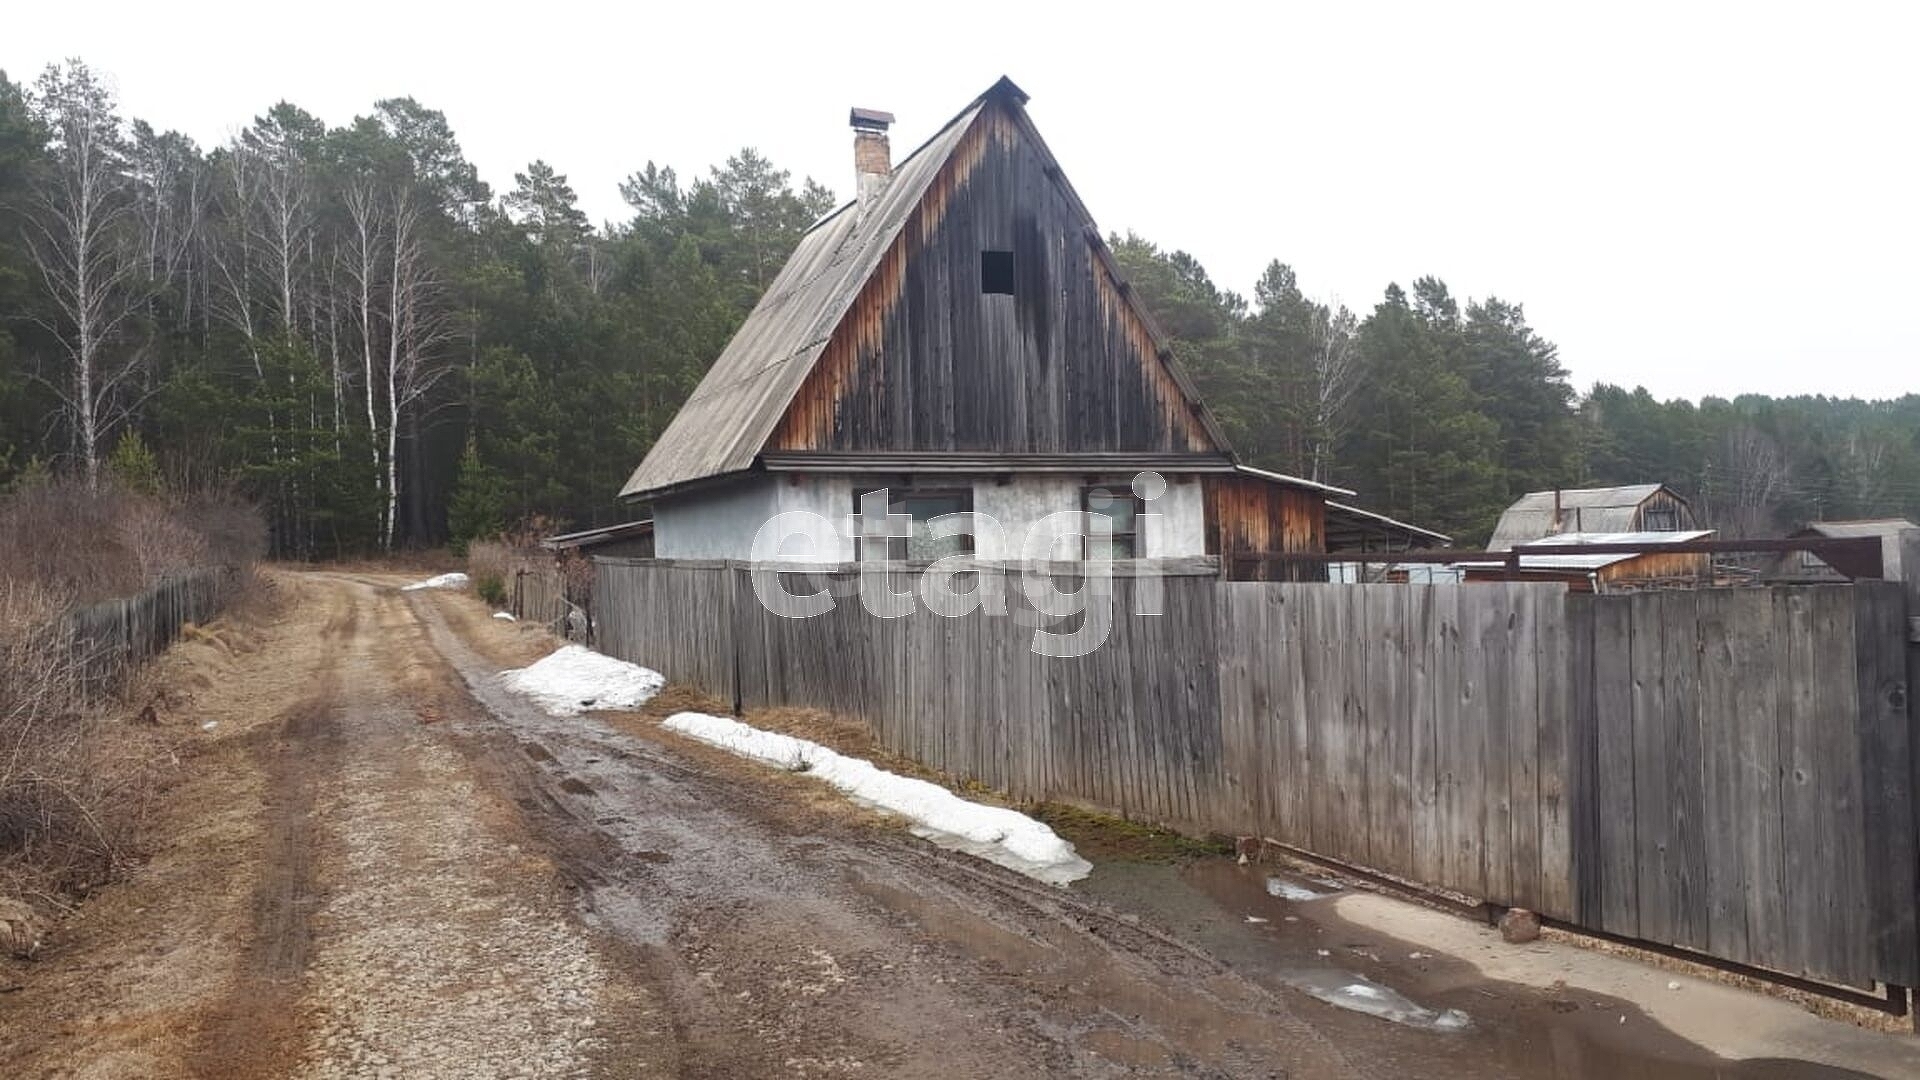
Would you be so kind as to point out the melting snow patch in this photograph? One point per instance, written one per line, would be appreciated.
(505, 615)
(994, 833)
(575, 678)
(442, 581)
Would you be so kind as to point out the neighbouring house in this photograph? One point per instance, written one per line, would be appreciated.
(1806, 566)
(1631, 508)
(1604, 572)
(960, 336)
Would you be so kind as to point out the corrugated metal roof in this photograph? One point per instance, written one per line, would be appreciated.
(1609, 509)
(727, 420)
(1588, 562)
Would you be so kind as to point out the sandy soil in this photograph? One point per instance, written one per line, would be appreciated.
(379, 863)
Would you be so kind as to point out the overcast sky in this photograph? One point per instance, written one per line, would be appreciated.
(1702, 199)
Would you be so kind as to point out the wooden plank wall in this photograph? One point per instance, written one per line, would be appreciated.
(536, 592)
(1404, 728)
(1744, 779)
(673, 616)
(1727, 771)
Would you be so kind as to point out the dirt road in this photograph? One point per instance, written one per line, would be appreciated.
(383, 865)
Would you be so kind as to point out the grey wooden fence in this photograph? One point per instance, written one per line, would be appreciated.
(112, 636)
(1724, 771)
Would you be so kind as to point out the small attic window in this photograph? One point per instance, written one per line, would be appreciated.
(996, 273)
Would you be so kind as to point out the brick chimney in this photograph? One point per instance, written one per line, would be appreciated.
(872, 156)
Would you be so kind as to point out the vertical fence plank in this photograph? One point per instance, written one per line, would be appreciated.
(1882, 752)
(1426, 838)
(1524, 723)
(1613, 764)
(1654, 850)
(1680, 721)
(1758, 717)
(1553, 888)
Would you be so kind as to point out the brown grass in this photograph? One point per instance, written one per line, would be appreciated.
(80, 763)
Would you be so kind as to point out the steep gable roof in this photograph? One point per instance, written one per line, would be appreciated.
(730, 417)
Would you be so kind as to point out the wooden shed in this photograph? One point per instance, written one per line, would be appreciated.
(1606, 572)
(1806, 566)
(1630, 508)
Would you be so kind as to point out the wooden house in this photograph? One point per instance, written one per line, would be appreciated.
(960, 336)
(1631, 508)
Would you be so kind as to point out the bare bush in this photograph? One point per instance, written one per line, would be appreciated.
(73, 778)
(86, 545)
(489, 558)
(48, 791)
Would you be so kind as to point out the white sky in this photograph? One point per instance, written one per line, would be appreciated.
(1698, 198)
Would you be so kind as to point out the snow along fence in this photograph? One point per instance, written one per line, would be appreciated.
(1725, 771)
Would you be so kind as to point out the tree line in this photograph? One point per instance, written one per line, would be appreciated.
(1443, 414)
(349, 326)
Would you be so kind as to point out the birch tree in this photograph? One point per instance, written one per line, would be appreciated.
(80, 239)
(1336, 373)
(418, 332)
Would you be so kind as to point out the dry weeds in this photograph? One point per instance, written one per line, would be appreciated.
(79, 767)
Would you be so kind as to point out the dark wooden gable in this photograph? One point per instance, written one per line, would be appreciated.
(927, 359)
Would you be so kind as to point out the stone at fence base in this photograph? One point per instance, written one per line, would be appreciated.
(19, 929)
(1519, 926)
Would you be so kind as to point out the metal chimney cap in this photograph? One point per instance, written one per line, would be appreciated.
(870, 119)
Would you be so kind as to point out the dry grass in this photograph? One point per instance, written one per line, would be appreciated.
(79, 764)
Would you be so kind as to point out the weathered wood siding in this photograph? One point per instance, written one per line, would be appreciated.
(925, 360)
(1658, 566)
(1748, 764)
(1724, 771)
(678, 616)
(1663, 500)
(1247, 515)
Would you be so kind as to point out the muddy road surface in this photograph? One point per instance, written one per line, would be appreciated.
(381, 864)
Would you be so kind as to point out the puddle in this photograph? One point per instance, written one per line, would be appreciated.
(1287, 890)
(1509, 1033)
(1345, 990)
(575, 786)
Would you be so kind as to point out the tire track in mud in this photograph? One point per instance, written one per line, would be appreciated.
(255, 1031)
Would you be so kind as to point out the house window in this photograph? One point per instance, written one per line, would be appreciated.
(1122, 510)
(996, 273)
(1662, 519)
(923, 505)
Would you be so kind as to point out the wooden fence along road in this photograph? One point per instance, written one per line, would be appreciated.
(1726, 771)
(115, 635)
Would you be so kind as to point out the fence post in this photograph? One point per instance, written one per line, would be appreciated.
(1909, 546)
